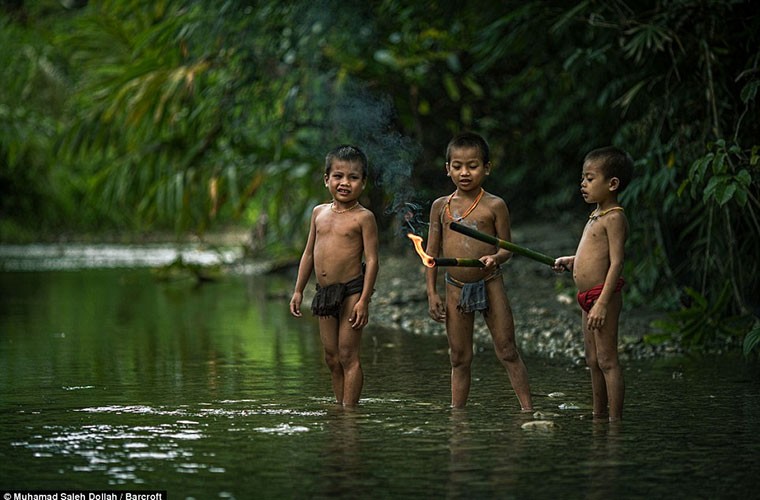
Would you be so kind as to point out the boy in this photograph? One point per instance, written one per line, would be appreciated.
(597, 268)
(473, 289)
(340, 234)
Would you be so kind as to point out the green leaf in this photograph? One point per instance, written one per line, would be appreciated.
(710, 189)
(699, 299)
(752, 340)
(452, 90)
(744, 178)
(742, 196)
(749, 91)
(725, 193)
(473, 86)
(719, 162)
(627, 98)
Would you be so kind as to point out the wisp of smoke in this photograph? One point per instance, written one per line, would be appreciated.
(368, 120)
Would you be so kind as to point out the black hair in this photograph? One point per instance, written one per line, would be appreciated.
(347, 152)
(613, 162)
(469, 140)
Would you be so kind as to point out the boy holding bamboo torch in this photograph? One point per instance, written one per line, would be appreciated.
(340, 234)
(472, 289)
(597, 268)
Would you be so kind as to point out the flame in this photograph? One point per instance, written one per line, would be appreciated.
(426, 259)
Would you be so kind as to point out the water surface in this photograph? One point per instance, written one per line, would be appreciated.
(110, 379)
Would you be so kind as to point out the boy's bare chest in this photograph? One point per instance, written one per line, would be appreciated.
(338, 229)
(594, 235)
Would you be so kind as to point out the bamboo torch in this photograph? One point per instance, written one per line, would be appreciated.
(487, 238)
(440, 261)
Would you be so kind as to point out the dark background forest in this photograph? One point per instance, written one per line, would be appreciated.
(129, 117)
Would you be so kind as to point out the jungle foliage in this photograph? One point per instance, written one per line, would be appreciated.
(135, 115)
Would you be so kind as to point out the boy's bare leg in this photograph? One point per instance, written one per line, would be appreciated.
(598, 384)
(328, 333)
(501, 324)
(607, 358)
(607, 385)
(459, 327)
(349, 347)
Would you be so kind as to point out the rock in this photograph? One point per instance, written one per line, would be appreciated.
(539, 415)
(539, 425)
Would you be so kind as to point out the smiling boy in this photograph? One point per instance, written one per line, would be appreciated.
(341, 233)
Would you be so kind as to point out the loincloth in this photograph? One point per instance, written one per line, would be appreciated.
(473, 296)
(587, 298)
(329, 299)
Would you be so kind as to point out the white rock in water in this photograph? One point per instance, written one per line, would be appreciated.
(542, 425)
(539, 415)
(556, 394)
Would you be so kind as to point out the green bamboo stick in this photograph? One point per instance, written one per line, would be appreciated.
(487, 238)
(456, 262)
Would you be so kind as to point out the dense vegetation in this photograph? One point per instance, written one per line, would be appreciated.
(123, 116)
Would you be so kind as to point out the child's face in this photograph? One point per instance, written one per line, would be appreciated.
(345, 181)
(466, 168)
(595, 187)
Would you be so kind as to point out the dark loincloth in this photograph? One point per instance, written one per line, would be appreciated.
(328, 300)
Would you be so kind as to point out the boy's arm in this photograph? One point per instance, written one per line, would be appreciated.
(305, 268)
(360, 315)
(436, 307)
(503, 227)
(617, 230)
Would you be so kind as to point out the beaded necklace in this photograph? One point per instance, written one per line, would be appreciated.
(468, 211)
(596, 215)
(332, 207)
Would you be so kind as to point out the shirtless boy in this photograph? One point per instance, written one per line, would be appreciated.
(597, 268)
(340, 234)
(473, 289)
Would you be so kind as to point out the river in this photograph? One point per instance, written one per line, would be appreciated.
(111, 379)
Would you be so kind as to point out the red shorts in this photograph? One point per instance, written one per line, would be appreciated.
(586, 299)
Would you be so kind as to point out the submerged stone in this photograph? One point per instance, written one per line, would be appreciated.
(539, 425)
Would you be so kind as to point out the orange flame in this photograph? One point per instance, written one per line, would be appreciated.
(426, 259)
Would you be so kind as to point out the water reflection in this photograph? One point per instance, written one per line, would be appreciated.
(342, 453)
(462, 471)
(604, 461)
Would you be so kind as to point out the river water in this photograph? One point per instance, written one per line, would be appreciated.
(113, 380)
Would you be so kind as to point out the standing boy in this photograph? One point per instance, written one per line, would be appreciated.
(340, 234)
(597, 268)
(473, 289)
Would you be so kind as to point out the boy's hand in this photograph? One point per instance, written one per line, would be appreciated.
(436, 308)
(359, 316)
(489, 262)
(596, 316)
(563, 264)
(295, 304)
